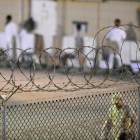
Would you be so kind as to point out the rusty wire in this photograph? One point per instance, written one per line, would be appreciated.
(50, 69)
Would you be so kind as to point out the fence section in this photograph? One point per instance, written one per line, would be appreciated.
(79, 118)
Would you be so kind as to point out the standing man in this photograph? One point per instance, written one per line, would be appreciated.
(79, 43)
(11, 36)
(114, 36)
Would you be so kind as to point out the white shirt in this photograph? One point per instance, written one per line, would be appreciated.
(28, 42)
(10, 30)
(22, 33)
(116, 34)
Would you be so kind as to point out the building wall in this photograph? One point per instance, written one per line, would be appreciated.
(126, 11)
(98, 15)
(17, 8)
(77, 11)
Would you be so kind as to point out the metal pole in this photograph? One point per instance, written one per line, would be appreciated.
(22, 11)
(64, 17)
(138, 113)
(98, 28)
(30, 8)
(3, 123)
(98, 20)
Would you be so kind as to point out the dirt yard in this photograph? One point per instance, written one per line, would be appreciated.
(37, 86)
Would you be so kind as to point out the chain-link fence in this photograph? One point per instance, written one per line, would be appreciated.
(78, 118)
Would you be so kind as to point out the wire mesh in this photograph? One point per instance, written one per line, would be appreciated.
(74, 118)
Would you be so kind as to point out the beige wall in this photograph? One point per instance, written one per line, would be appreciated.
(13, 7)
(75, 11)
(88, 11)
(126, 11)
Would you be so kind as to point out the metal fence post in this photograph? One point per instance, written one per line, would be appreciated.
(3, 122)
(138, 113)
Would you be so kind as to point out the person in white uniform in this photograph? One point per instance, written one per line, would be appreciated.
(11, 37)
(114, 37)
